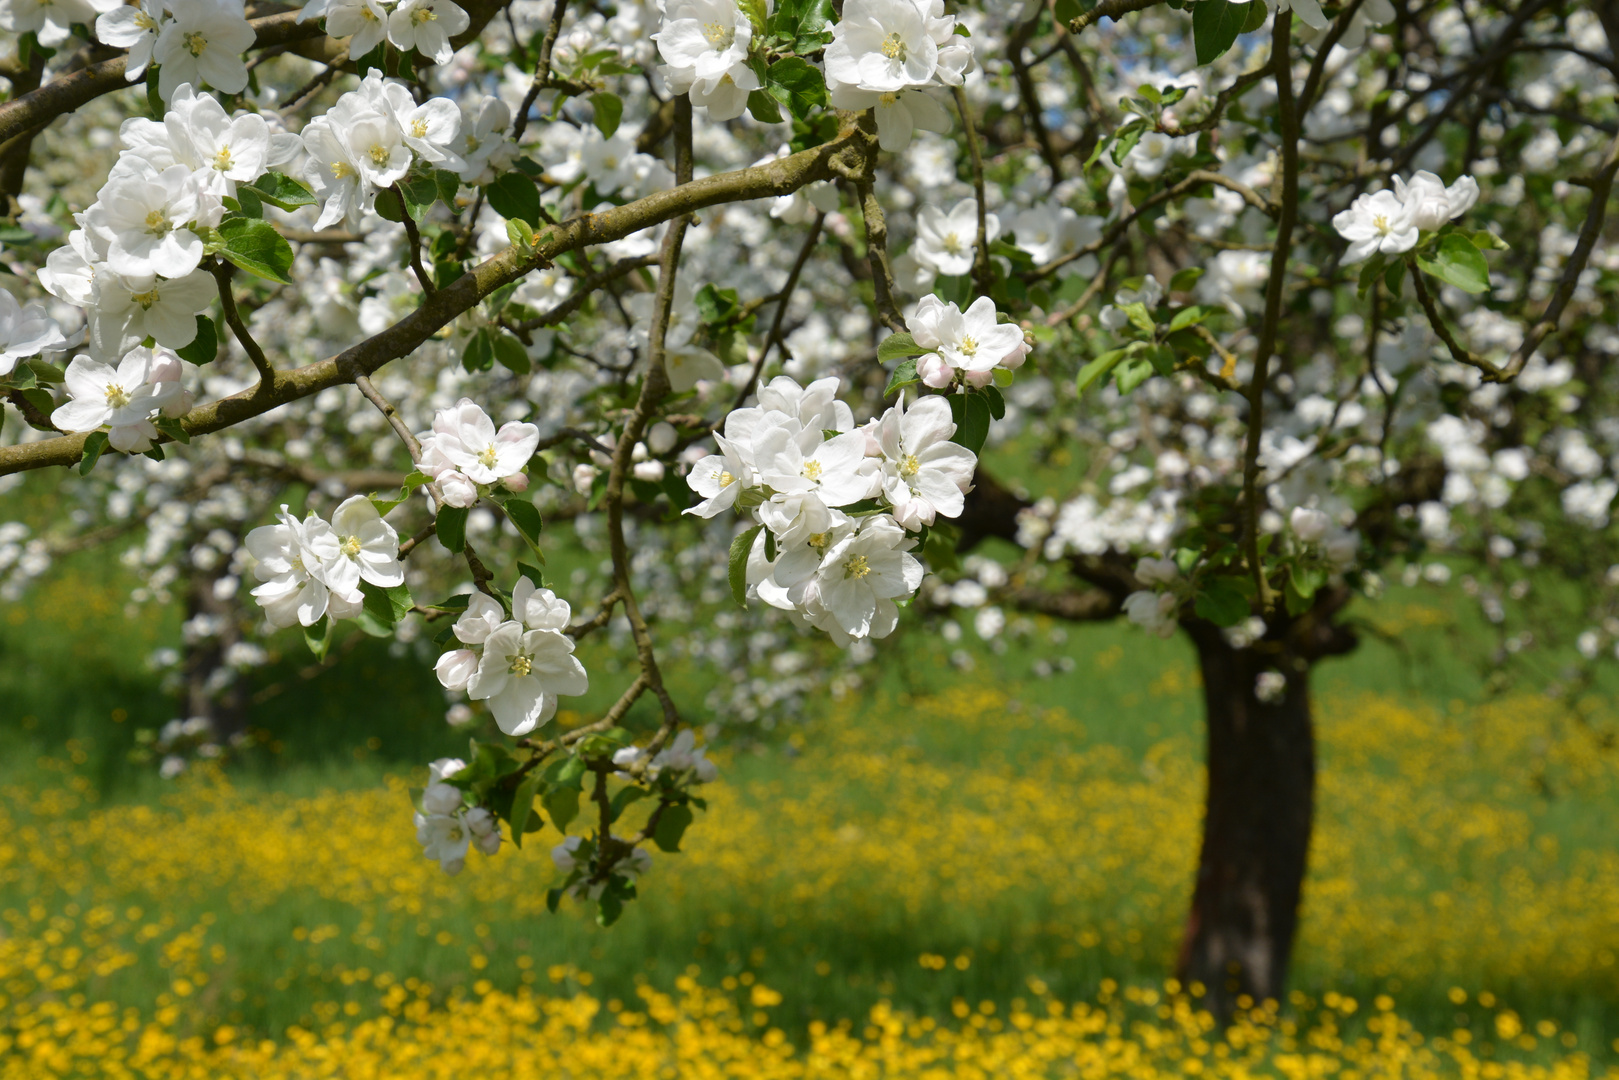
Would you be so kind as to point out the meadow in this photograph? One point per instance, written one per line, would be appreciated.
(945, 873)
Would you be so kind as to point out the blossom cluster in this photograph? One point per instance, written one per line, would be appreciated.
(423, 25)
(313, 568)
(446, 827)
(682, 757)
(883, 56)
(518, 663)
(371, 138)
(25, 330)
(464, 454)
(1391, 222)
(192, 41)
(124, 399)
(704, 45)
(965, 347)
(837, 505)
(134, 262)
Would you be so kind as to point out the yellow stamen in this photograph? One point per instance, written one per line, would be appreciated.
(117, 396)
(856, 567)
(909, 466)
(195, 43)
(812, 470)
(146, 299)
(520, 665)
(894, 46)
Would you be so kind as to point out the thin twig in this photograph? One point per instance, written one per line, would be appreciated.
(542, 70)
(1108, 9)
(1458, 352)
(983, 275)
(415, 239)
(315, 85)
(882, 271)
(786, 294)
(395, 421)
(222, 274)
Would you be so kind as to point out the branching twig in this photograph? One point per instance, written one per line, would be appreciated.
(222, 274)
(882, 271)
(414, 237)
(774, 338)
(983, 275)
(1458, 352)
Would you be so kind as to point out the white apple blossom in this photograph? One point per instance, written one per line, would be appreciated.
(1430, 204)
(1153, 612)
(203, 44)
(127, 309)
(483, 147)
(51, 21)
(861, 576)
(1309, 525)
(133, 27)
(924, 473)
(25, 331)
(899, 113)
(367, 549)
(1377, 222)
(444, 839)
(466, 438)
(427, 26)
(972, 342)
(946, 242)
(143, 215)
(123, 399)
(701, 40)
(719, 478)
(888, 45)
(363, 22)
(521, 673)
(289, 557)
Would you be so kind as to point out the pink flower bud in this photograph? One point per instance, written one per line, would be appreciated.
(516, 481)
(934, 371)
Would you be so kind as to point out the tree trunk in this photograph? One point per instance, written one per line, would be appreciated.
(1256, 831)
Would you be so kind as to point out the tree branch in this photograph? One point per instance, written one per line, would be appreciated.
(222, 272)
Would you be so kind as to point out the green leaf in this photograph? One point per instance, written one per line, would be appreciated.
(672, 824)
(1215, 26)
(319, 638)
(625, 798)
(1369, 272)
(1394, 276)
(1222, 602)
(1255, 19)
(716, 306)
(1458, 262)
(249, 202)
(1140, 317)
(762, 107)
(171, 427)
(797, 84)
(1066, 11)
(94, 444)
(561, 806)
(280, 191)
(452, 527)
(205, 346)
(256, 247)
(895, 346)
(997, 404)
(510, 352)
(1127, 138)
(940, 547)
(609, 906)
(41, 400)
(1098, 369)
(519, 234)
(1132, 373)
(1188, 316)
(609, 110)
(523, 806)
(527, 520)
(741, 547)
(449, 185)
(1185, 279)
(513, 195)
(479, 354)
(804, 23)
(972, 420)
(904, 375)
(756, 13)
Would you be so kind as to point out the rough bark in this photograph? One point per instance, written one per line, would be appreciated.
(1256, 828)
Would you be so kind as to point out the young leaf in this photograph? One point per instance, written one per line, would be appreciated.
(798, 85)
(972, 428)
(280, 191)
(561, 805)
(997, 404)
(625, 797)
(205, 346)
(94, 444)
(452, 527)
(173, 429)
(480, 352)
(804, 23)
(1458, 262)
(904, 375)
(609, 111)
(319, 638)
(672, 825)
(762, 107)
(256, 247)
(1098, 369)
(527, 520)
(510, 352)
(1222, 602)
(741, 547)
(1215, 26)
(523, 806)
(513, 195)
(895, 346)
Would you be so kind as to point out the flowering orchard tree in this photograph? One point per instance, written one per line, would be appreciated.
(743, 289)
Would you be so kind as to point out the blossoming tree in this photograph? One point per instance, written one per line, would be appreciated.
(1308, 290)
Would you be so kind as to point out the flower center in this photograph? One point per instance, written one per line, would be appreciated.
(818, 541)
(418, 129)
(968, 346)
(719, 35)
(222, 159)
(350, 547)
(195, 42)
(610, 161)
(856, 567)
(341, 170)
(145, 21)
(520, 665)
(486, 456)
(156, 223)
(146, 299)
(726, 479)
(888, 99)
(909, 466)
(894, 46)
(812, 470)
(1381, 224)
(298, 564)
(117, 396)
(379, 154)
(952, 243)
(472, 144)
(422, 15)
(367, 13)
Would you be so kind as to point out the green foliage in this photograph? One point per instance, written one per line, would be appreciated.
(513, 195)
(279, 190)
(255, 246)
(798, 85)
(451, 527)
(1456, 260)
(1216, 25)
(95, 444)
(205, 346)
(737, 572)
(608, 110)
